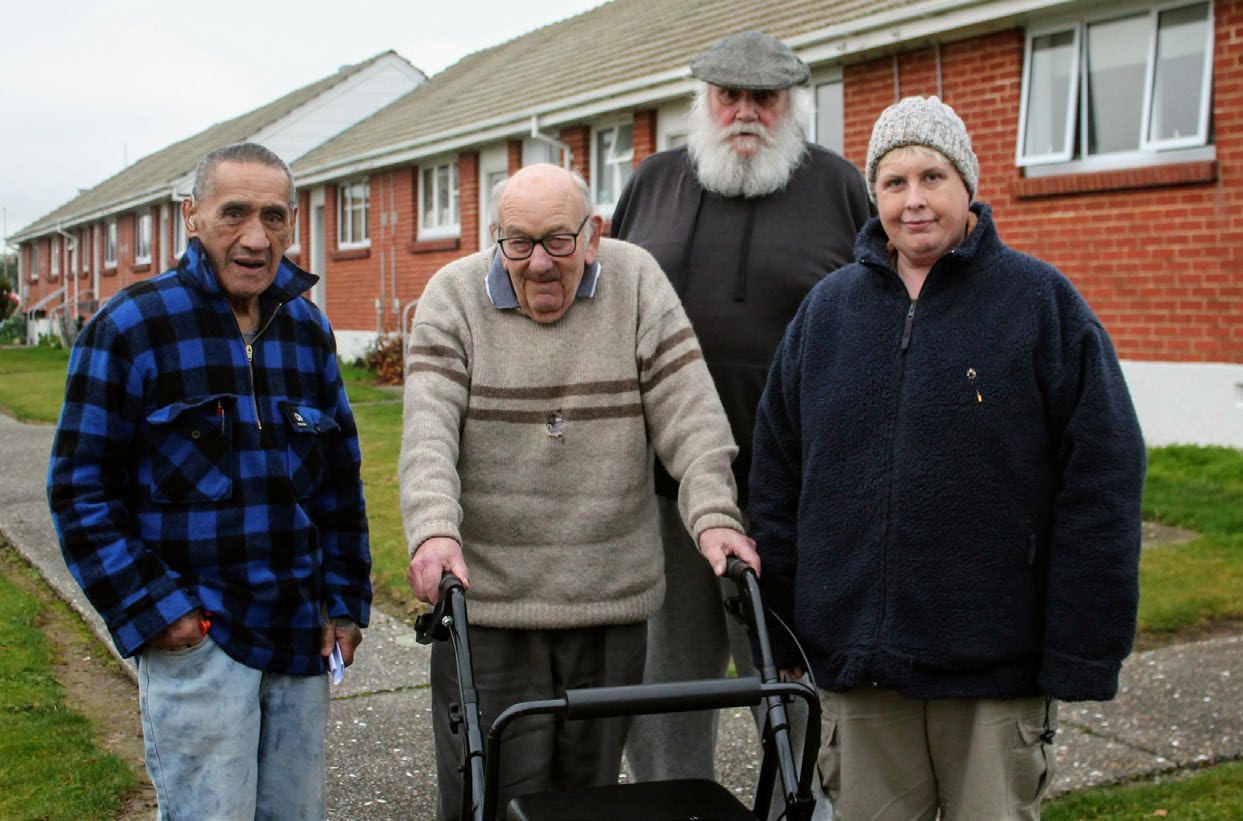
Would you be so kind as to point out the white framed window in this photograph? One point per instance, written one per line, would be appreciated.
(88, 248)
(353, 209)
(142, 237)
(110, 244)
(612, 163)
(75, 259)
(439, 201)
(34, 261)
(1117, 91)
(55, 256)
(537, 151)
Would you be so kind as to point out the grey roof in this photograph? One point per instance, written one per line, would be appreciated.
(614, 43)
(153, 174)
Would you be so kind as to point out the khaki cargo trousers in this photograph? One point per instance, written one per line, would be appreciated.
(885, 756)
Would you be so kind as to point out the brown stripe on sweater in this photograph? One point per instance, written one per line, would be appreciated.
(541, 417)
(668, 342)
(672, 368)
(557, 391)
(447, 373)
(443, 351)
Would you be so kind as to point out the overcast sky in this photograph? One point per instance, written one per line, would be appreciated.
(86, 86)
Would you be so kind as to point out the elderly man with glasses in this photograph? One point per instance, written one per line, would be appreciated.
(542, 378)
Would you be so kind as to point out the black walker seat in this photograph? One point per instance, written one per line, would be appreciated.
(658, 800)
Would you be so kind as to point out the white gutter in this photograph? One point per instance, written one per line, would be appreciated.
(148, 197)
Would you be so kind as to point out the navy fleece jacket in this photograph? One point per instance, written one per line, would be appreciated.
(946, 493)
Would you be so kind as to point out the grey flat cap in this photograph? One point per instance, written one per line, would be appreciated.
(752, 61)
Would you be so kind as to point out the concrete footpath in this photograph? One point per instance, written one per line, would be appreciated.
(1178, 707)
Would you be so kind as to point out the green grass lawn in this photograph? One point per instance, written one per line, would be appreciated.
(1212, 794)
(1186, 587)
(32, 383)
(50, 764)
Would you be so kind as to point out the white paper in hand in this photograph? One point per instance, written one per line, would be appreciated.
(336, 664)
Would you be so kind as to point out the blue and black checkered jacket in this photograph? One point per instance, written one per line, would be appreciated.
(184, 475)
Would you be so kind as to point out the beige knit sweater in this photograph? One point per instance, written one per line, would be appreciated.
(532, 444)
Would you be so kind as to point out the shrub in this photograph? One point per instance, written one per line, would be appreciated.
(386, 360)
(13, 330)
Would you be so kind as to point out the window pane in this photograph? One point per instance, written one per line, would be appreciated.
(343, 214)
(829, 116)
(442, 195)
(1176, 101)
(605, 192)
(1116, 59)
(1048, 94)
(453, 196)
(429, 197)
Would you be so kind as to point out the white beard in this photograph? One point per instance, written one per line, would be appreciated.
(722, 170)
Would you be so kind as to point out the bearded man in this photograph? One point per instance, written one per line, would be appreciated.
(744, 220)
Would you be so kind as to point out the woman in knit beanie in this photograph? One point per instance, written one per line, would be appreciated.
(945, 494)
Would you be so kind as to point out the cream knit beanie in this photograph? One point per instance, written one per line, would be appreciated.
(923, 121)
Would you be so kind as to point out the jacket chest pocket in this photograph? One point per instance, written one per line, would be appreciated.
(191, 455)
(307, 429)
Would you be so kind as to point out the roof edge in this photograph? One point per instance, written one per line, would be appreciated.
(884, 30)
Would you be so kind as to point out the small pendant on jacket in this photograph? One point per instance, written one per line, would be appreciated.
(971, 374)
(555, 425)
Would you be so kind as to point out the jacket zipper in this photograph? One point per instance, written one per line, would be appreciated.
(907, 326)
(250, 364)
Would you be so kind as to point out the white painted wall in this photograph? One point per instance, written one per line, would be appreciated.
(340, 107)
(671, 119)
(1189, 403)
(353, 344)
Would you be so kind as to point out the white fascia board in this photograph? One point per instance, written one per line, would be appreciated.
(635, 92)
(926, 21)
(151, 197)
(859, 36)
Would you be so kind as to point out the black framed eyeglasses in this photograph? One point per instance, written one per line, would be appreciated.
(557, 245)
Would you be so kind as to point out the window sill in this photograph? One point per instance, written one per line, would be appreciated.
(109, 270)
(427, 246)
(1156, 176)
(351, 253)
(140, 267)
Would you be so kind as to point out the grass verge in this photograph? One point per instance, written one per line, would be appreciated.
(51, 766)
(1211, 794)
(1185, 588)
(32, 383)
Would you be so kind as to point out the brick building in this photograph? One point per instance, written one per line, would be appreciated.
(129, 226)
(1110, 136)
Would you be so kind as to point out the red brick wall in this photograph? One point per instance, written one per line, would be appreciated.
(1158, 253)
(644, 135)
(515, 156)
(355, 279)
(578, 138)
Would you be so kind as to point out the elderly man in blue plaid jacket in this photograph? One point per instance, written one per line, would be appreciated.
(205, 487)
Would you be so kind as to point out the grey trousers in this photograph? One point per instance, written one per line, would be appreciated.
(692, 637)
(538, 753)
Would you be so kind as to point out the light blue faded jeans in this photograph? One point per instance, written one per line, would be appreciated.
(226, 741)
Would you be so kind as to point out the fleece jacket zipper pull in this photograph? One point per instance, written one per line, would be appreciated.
(906, 328)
